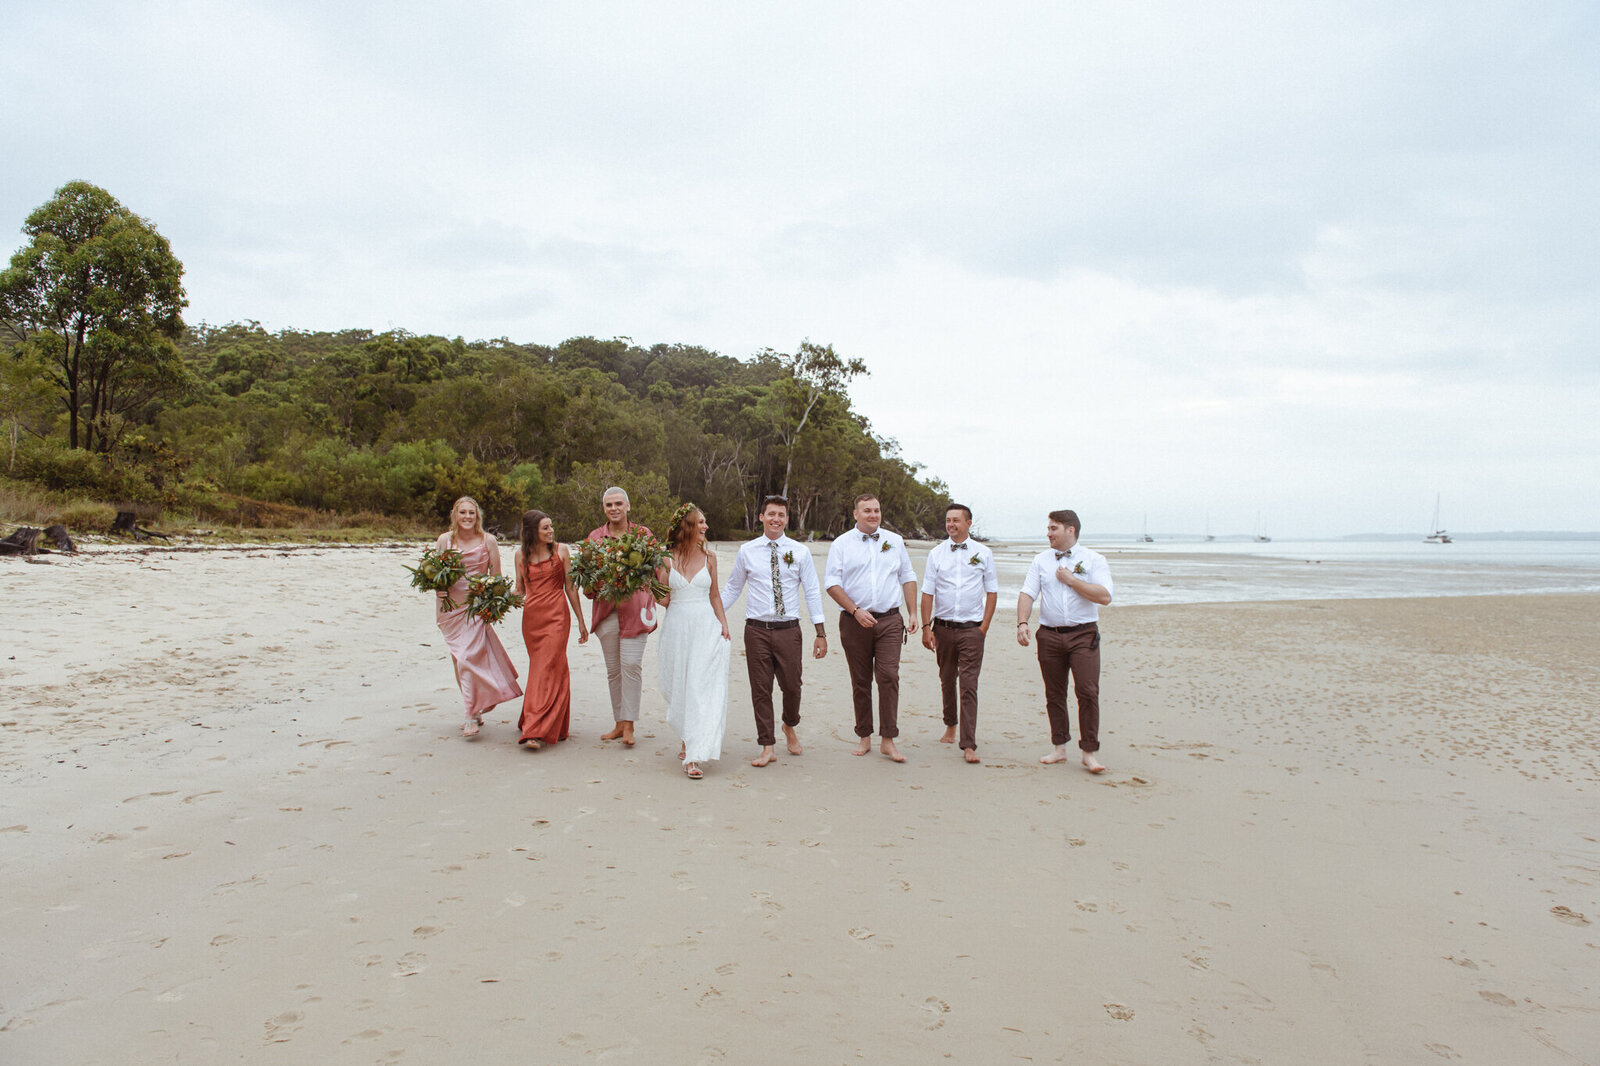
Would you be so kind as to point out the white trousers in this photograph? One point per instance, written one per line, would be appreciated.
(624, 667)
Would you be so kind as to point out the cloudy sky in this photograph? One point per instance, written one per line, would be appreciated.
(1316, 262)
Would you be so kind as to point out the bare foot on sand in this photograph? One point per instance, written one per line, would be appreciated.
(529, 743)
(471, 726)
(766, 758)
(627, 733)
(970, 755)
(615, 733)
(888, 748)
(863, 747)
(793, 738)
(1091, 764)
(1057, 754)
(949, 735)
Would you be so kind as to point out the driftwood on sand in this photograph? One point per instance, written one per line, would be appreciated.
(127, 523)
(25, 541)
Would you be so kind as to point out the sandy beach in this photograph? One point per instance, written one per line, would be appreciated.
(238, 824)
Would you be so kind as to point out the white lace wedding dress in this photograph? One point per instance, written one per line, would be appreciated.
(693, 659)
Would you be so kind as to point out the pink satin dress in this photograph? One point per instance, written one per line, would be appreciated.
(483, 668)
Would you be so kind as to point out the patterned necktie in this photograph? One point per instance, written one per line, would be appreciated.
(869, 536)
(777, 585)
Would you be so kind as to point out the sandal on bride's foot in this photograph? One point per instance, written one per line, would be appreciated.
(529, 743)
(470, 727)
(682, 751)
(692, 771)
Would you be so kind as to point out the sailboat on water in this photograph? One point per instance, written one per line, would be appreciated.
(1208, 527)
(1144, 532)
(1438, 536)
(1260, 537)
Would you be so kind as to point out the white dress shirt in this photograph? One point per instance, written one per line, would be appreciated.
(871, 568)
(797, 575)
(1059, 604)
(959, 578)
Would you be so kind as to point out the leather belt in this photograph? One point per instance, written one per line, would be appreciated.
(1070, 629)
(945, 623)
(787, 623)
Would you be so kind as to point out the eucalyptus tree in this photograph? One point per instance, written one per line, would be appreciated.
(814, 371)
(99, 293)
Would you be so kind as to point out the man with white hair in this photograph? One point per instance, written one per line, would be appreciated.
(621, 627)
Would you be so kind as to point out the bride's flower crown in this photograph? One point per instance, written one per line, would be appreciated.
(677, 521)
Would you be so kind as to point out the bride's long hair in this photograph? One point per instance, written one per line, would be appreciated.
(685, 529)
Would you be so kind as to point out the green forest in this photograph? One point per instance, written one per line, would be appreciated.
(110, 401)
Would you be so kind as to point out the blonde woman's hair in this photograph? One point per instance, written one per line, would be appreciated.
(455, 524)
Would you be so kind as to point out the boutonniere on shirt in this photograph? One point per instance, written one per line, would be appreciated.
(886, 546)
(788, 558)
(976, 560)
(1079, 569)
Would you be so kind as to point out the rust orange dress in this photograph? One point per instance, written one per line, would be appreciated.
(546, 622)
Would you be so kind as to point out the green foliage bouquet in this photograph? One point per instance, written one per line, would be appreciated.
(437, 571)
(617, 567)
(490, 598)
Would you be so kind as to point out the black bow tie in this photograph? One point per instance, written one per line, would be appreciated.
(869, 536)
(959, 547)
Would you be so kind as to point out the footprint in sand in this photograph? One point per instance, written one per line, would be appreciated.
(1568, 915)
(1499, 999)
(939, 1008)
(1119, 1012)
(865, 935)
(410, 964)
(281, 1029)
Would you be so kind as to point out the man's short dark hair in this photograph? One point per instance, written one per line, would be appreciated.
(1067, 518)
(864, 497)
(963, 508)
(768, 501)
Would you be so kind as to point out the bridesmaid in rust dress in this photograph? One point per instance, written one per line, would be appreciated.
(483, 669)
(547, 591)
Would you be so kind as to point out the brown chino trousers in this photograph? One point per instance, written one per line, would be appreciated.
(1077, 652)
(959, 653)
(773, 653)
(874, 654)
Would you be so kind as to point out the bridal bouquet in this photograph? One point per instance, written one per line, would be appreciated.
(617, 567)
(437, 571)
(490, 598)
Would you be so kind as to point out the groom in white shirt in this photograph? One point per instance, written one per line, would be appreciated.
(779, 571)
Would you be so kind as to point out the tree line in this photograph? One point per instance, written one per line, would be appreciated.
(105, 393)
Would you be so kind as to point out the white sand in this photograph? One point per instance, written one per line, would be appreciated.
(239, 825)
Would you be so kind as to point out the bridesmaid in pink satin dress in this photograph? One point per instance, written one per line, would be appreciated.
(484, 671)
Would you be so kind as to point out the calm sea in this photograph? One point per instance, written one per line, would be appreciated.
(1224, 571)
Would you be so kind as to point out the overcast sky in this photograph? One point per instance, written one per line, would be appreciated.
(1316, 262)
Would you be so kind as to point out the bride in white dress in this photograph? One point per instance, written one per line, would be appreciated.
(692, 645)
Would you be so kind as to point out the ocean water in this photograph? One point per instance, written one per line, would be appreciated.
(1232, 571)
